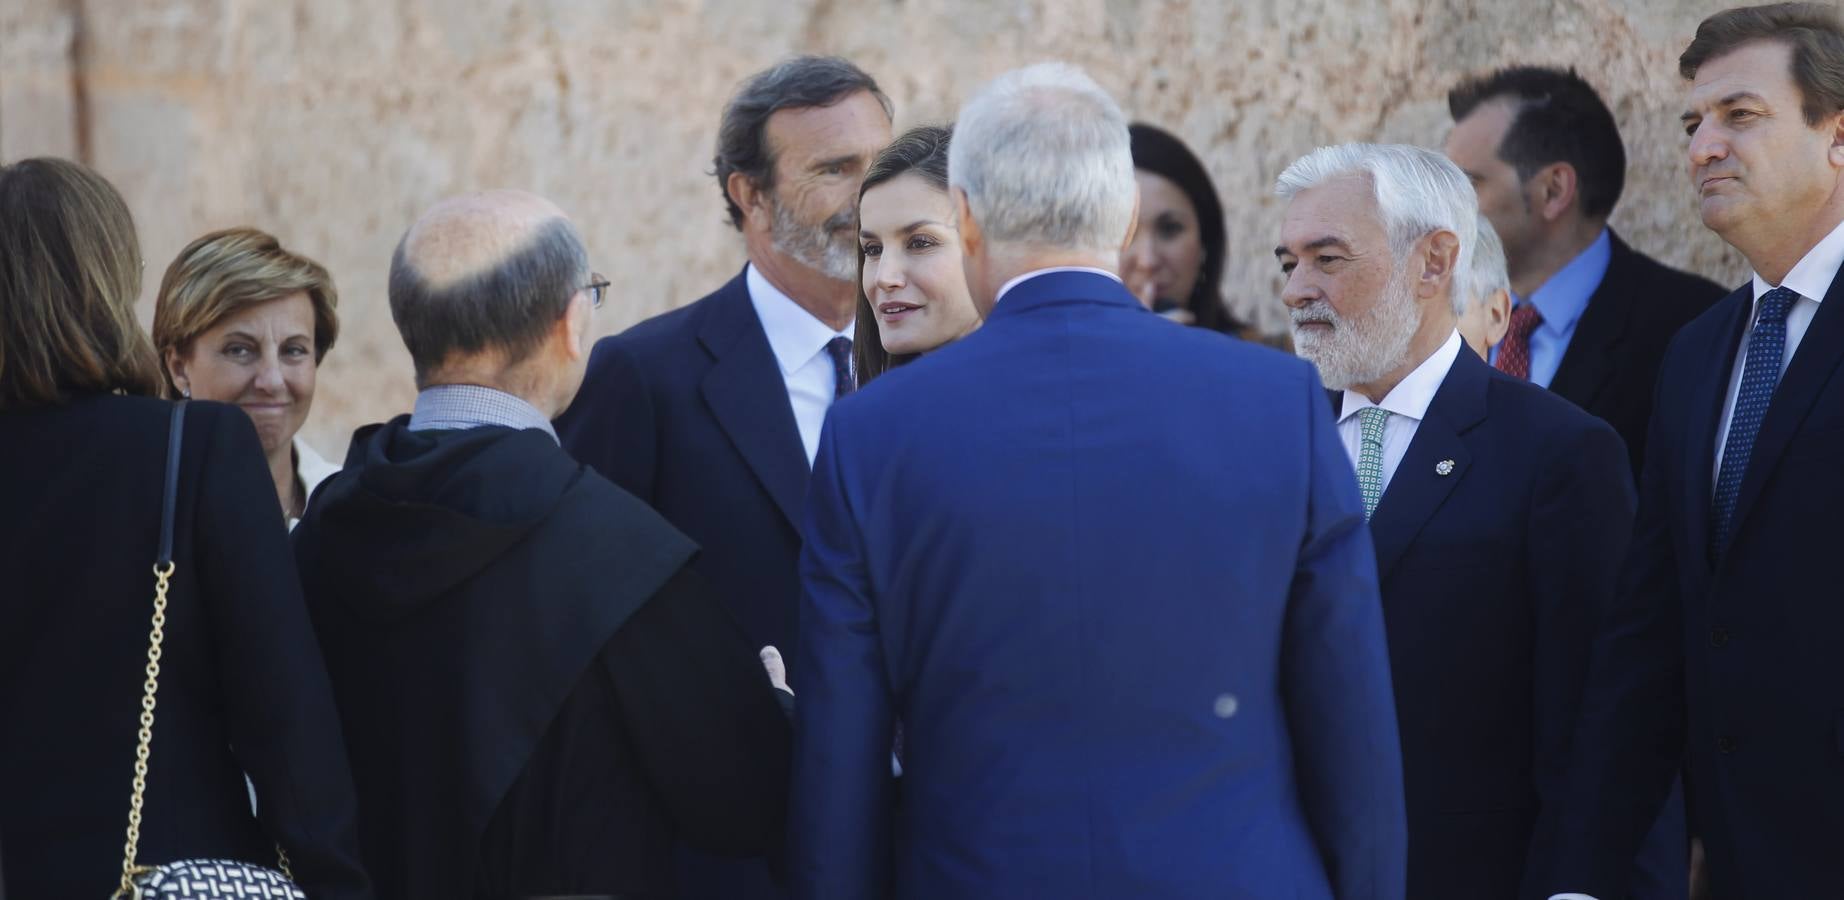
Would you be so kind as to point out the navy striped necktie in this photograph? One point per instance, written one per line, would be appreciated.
(1760, 375)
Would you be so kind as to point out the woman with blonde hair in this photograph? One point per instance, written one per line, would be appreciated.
(142, 560)
(241, 320)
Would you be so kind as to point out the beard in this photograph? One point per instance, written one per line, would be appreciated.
(1364, 348)
(829, 248)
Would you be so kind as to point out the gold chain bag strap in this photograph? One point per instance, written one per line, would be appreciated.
(190, 878)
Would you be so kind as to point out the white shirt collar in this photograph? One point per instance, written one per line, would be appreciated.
(1412, 395)
(1036, 272)
(1811, 277)
(793, 333)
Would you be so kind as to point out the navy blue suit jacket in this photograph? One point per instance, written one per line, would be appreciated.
(1111, 575)
(1734, 663)
(689, 412)
(1493, 576)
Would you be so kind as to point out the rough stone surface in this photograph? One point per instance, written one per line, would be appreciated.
(332, 122)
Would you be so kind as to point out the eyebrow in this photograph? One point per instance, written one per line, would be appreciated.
(911, 228)
(1318, 243)
(1730, 100)
(246, 336)
(828, 163)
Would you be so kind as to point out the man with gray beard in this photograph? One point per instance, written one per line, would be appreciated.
(712, 412)
(1499, 512)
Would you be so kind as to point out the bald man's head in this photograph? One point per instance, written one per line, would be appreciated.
(484, 273)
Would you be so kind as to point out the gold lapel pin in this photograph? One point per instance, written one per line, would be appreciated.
(1444, 467)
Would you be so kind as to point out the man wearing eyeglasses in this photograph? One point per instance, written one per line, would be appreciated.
(537, 694)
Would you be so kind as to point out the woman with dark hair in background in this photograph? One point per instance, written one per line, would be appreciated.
(912, 294)
(1175, 263)
(83, 465)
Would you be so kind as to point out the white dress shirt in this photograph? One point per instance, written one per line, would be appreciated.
(1407, 404)
(799, 344)
(1810, 278)
(1007, 287)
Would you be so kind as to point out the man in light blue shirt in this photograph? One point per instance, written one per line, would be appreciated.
(1591, 316)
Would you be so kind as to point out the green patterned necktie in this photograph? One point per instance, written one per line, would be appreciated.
(1370, 457)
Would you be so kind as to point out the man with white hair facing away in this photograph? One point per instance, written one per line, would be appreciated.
(1131, 630)
(1499, 511)
(1486, 316)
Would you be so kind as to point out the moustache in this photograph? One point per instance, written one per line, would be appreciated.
(1317, 313)
(841, 220)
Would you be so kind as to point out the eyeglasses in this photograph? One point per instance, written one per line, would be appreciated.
(597, 288)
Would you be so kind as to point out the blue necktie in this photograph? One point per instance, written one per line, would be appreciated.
(840, 349)
(1760, 374)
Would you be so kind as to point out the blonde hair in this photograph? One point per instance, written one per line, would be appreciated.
(70, 269)
(228, 271)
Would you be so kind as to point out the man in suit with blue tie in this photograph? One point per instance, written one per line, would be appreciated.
(1727, 647)
(712, 412)
(1130, 630)
(1499, 511)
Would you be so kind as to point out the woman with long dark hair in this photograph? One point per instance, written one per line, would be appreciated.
(912, 294)
(1175, 263)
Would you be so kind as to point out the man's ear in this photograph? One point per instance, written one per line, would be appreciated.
(1498, 317)
(971, 239)
(176, 368)
(1440, 254)
(1133, 221)
(1556, 187)
(573, 329)
(1837, 140)
(748, 197)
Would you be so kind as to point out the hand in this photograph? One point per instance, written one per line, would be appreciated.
(776, 668)
(1138, 279)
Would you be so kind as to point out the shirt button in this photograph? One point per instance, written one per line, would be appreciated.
(1725, 744)
(1719, 637)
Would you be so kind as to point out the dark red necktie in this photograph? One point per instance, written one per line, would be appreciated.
(1514, 353)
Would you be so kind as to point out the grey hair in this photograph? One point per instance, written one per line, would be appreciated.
(1045, 159)
(798, 83)
(1418, 192)
(509, 307)
(1488, 273)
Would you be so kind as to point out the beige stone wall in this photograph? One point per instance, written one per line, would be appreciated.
(332, 122)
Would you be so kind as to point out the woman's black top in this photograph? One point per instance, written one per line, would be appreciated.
(242, 685)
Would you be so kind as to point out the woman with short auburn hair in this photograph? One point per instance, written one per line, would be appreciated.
(239, 319)
(84, 462)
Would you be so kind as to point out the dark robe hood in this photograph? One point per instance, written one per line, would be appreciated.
(414, 514)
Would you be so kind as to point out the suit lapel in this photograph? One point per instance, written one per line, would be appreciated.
(749, 398)
(1418, 488)
(1805, 378)
(1589, 362)
(1705, 414)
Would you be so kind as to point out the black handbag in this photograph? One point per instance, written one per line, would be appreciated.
(187, 878)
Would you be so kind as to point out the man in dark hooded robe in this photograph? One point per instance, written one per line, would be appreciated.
(538, 695)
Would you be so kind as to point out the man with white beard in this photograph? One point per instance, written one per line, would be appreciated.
(712, 412)
(1499, 511)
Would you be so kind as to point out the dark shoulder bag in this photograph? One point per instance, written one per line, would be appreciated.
(199, 878)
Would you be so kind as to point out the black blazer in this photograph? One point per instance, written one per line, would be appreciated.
(1492, 574)
(1612, 361)
(1736, 663)
(242, 688)
(688, 411)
